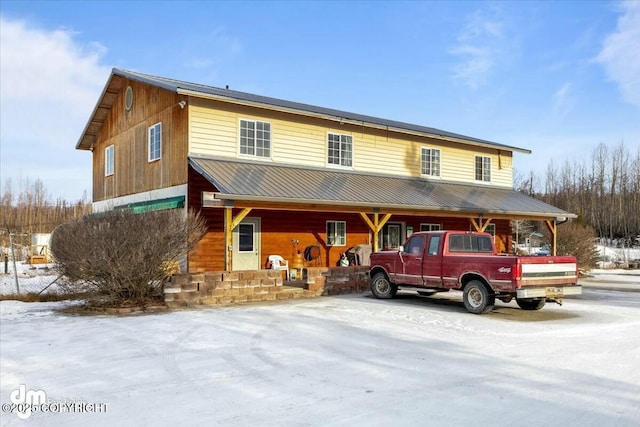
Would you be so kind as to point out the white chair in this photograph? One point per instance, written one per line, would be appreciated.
(278, 263)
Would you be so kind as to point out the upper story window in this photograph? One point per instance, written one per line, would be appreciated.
(155, 142)
(340, 150)
(109, 160)
(483, 168)
(336, 233)
(430, 162)
(255, 138)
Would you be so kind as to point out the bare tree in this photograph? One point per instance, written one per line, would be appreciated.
(604, 192)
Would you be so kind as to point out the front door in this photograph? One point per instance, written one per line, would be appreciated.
(246, 245)
(392, 236)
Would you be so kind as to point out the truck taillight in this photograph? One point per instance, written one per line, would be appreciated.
(518, 271)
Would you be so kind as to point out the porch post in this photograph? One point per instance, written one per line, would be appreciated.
(375, 226)
(228, 237)
(553, 228)
(478, 225)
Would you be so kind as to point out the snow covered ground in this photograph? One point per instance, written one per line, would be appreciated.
(333, 361)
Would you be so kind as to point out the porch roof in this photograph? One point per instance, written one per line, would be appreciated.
(283, 184)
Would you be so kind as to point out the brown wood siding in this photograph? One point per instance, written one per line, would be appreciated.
(279, 228)
(127, 131)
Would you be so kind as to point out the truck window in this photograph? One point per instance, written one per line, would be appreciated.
(434, 244)
(470, 243)
(484, 244)
(414, 245)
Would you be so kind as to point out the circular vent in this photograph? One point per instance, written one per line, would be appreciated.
(128, 98)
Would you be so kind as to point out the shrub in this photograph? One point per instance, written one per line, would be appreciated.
(578, 240)
(121, 258)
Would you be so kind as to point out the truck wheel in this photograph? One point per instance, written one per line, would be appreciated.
(531, 303)
(477, 298)
(381, 287)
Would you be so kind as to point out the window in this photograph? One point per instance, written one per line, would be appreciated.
(245, 238)
(483, 168)
(255, 138)
(430, 162)
(155, 142)
(336, 233)
(429, 227)
(340, 150)
(470, 243)
(491, 229)
(414, 245)
(434, 244)
(108, 161)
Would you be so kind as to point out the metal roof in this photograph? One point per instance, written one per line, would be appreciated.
(114, 85)
(267, 182)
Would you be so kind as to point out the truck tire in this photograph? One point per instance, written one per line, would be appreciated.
(531, 303)
(477, 298)
(382, 288)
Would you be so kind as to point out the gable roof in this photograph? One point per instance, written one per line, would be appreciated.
(115, 83)
(267, 182)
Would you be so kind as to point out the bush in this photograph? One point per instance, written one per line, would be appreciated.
(578, 240)
(121, 258)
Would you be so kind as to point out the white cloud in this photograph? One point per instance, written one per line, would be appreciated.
(479, 46)
(49, 85)
(563, 100)
(620, 54)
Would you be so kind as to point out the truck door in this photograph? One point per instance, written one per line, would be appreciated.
(412, 261)
(432, 265)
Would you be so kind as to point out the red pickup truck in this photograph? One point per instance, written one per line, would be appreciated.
(437, 261)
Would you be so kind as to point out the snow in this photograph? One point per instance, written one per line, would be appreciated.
(333, 361)
(31, 278)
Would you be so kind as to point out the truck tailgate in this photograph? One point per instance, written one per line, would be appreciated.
(548, 276)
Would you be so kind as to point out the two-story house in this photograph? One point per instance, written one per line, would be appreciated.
(278, 177)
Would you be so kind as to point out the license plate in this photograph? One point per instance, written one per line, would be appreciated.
(554, 291)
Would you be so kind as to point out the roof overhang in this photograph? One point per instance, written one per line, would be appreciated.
(100, 112)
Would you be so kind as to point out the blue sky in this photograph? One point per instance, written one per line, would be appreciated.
(557, 78)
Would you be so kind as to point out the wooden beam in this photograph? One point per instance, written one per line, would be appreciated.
(375, 226)
(384, 221)
(238, 218)
(486, 224)
(475, 224)
(317, 207)
(366, 219)
(479, 226)
(553, 228)
(228, 237)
